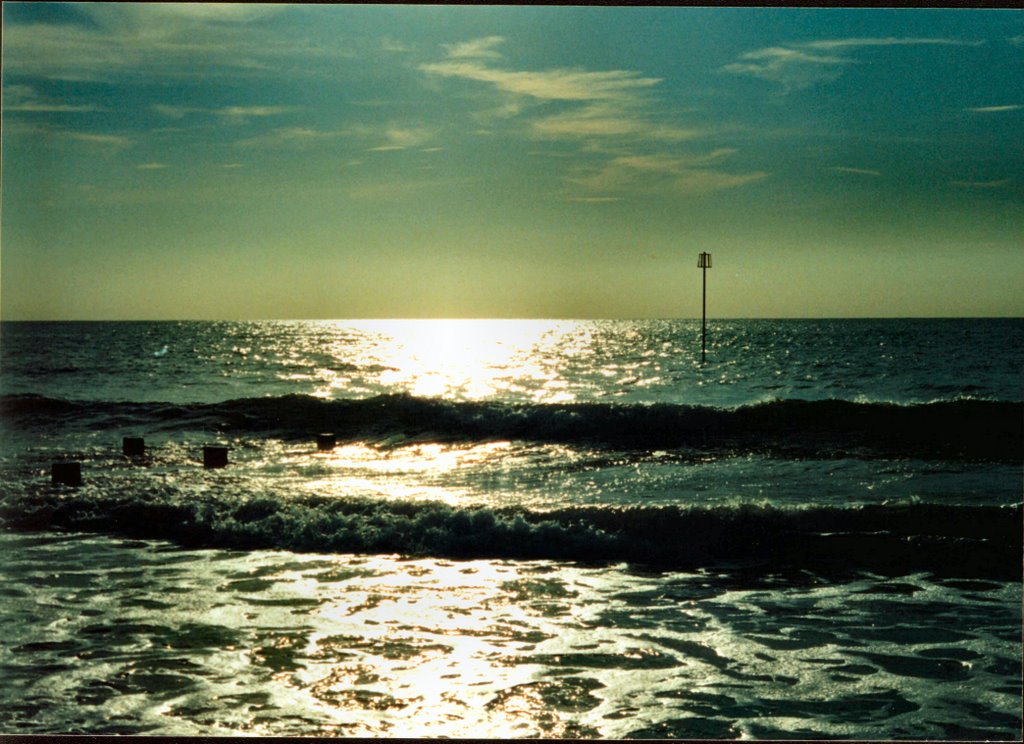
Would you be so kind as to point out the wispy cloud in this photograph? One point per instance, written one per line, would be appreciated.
(887, 41)
(246, 112)
(163, 19)
(792, 68)
(156, 39)
(672, 164)
(858, 171)
(593, 199)
(984, 185)
(47, 134)
(292, 137)
(602, 103)
(610, 113)
(238, 113)
(550, 85)
(476, 48)
(114, 141)
(175, 112)
(996, 109)
(25, 98)
(801, 65)
(608, 121)
(400, 139)
(663, 174)
(394, 46)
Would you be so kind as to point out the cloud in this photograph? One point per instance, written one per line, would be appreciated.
(113, 141)
(236, 113)
(858, 171)
(52, 135)
(594, 108)
(602, 104)
(402, 138)
(51, 107)
(607, 121)
(158, 16)
(593, 199)
(549, 85)
(292, 137)
(699, 182)
(175, 112)
(985, 185)
(467, 60)
(885, 42)
(245, 112)
(476, 48)
(791, 68)
(672, 164)
(663, 174)
(387, 44)
(25, 98)
(801, 65)
(158, 40)
(995, 109)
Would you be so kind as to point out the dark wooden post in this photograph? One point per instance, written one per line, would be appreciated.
(704, 263)
(66, 473)
(215, 457)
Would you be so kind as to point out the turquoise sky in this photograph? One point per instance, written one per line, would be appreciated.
(335, 161)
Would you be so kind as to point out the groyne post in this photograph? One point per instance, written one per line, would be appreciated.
(133, 446)
(704, 263)
(66, 473)
(215, 456)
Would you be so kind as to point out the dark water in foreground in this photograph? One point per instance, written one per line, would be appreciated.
(555, 528)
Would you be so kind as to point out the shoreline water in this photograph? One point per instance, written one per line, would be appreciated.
(148, 638)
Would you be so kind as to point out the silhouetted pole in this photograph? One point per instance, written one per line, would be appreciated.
(704, 263)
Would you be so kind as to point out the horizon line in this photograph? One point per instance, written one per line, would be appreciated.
(505, 318)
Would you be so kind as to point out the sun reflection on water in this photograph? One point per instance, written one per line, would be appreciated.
(457, 358)
(360, 468)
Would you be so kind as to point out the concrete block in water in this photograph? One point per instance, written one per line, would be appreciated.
(325, 442)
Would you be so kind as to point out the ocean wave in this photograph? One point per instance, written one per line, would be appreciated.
(954, 429)
(977, 541)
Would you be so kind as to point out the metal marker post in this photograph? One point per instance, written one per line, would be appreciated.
(704, 263)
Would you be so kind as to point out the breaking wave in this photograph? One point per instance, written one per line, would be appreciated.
(979, 541)
(961, 428)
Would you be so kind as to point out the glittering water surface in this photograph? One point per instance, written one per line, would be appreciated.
(519, 360)
(526, 528)
(145, 637)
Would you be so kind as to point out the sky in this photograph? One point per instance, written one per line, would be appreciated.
(207, 161)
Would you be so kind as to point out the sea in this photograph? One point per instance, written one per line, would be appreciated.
(516, 528)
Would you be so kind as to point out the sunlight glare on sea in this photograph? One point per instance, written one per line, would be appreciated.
(471, 359)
